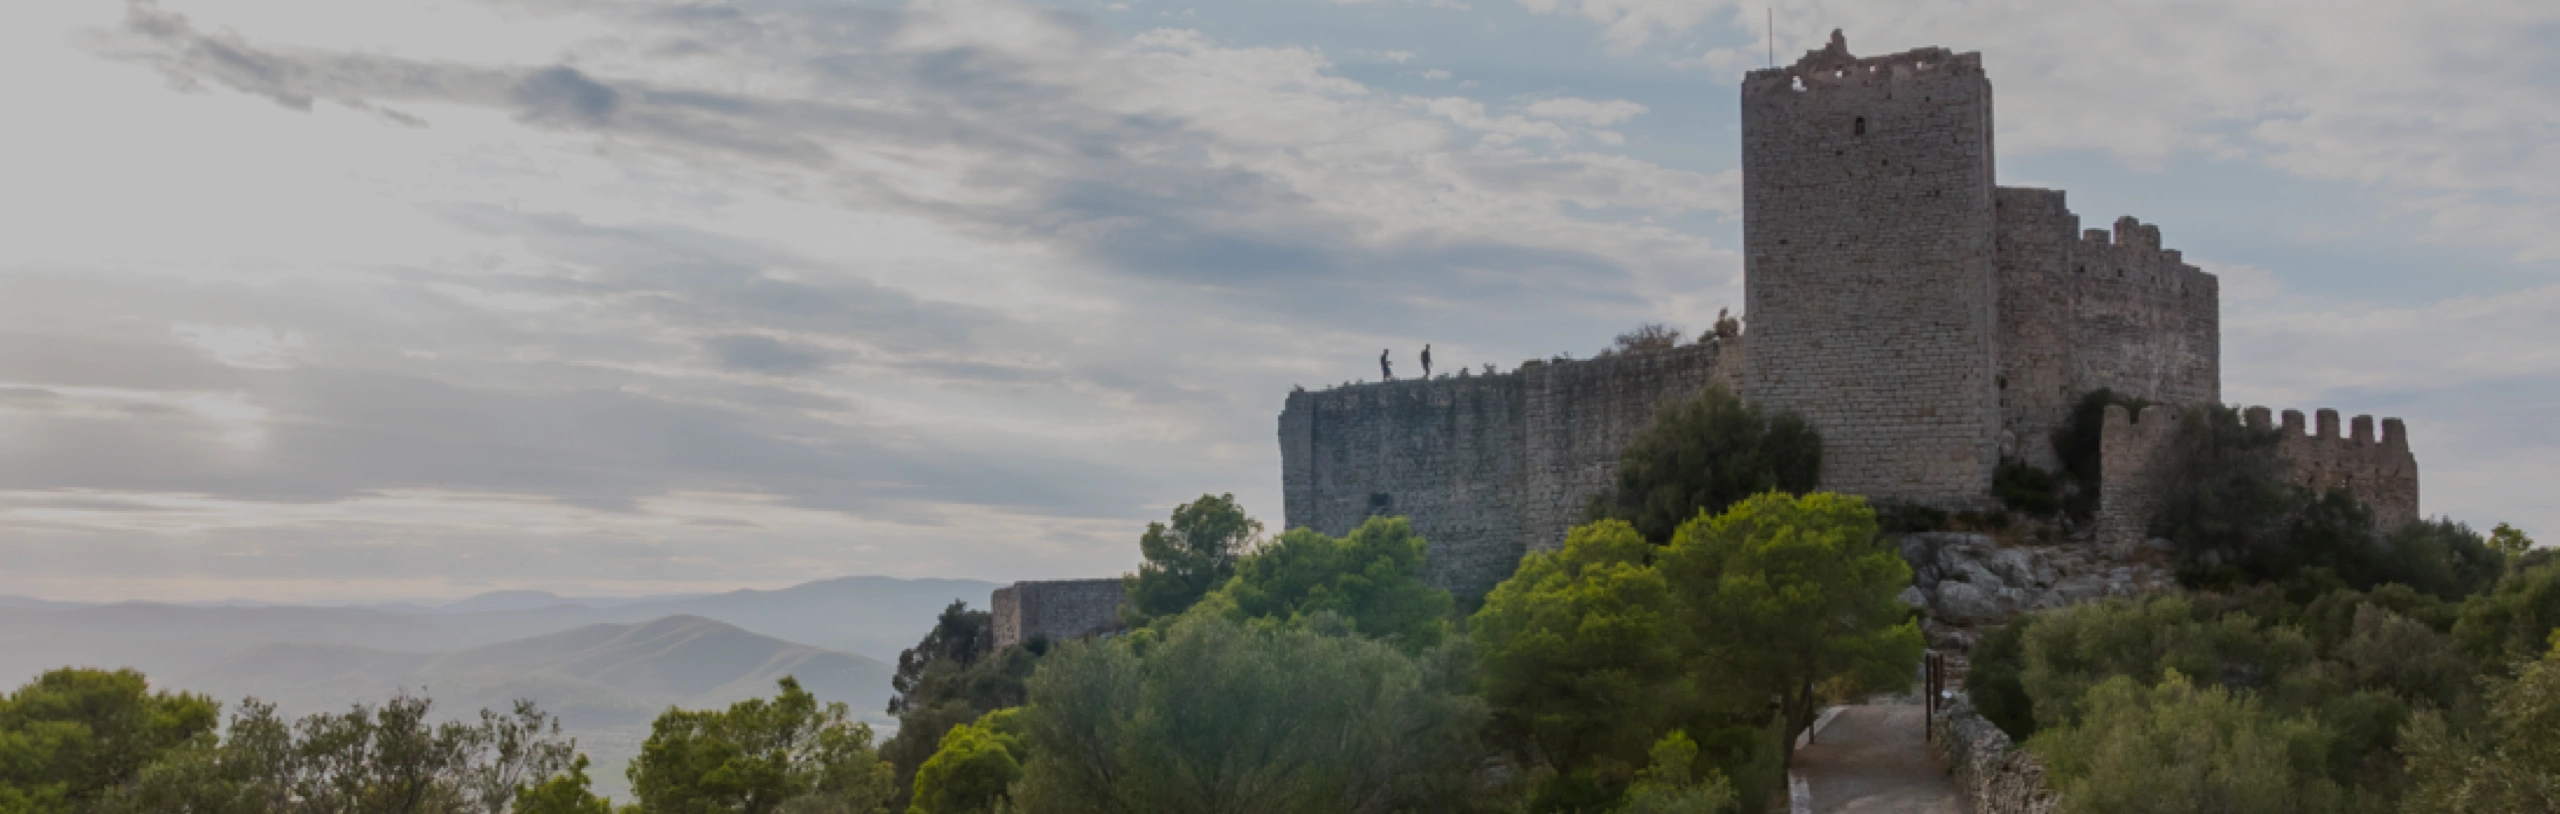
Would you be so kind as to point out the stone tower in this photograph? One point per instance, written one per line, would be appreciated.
(1869, 237)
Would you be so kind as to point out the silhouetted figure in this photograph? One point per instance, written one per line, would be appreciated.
(1426, 360)
(1384, 371)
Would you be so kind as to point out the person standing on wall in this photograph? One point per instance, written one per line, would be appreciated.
(1426, 360)
(1385, 372)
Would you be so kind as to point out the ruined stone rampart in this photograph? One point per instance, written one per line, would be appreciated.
(2380, 472)
(1486, 467)
(1056, 610)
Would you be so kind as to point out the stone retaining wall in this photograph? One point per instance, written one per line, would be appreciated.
(1991, 774)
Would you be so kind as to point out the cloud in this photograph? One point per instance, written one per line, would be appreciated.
(2427, 98)
(1586, 111)
(764, 354)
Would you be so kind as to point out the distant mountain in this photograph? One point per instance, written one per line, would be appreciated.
(595, 677)
(163, 640)
(32, 603)
(870, 616)
(504, 601)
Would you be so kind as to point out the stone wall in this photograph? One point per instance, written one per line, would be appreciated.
(2037, 388)
(1486, 467)
(2081, 311)
(2129, 493)
(1057, 610)
(2380, 472)
(1991, 773)
(1868, 253)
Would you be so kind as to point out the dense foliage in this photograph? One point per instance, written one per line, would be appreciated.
(1370, 579)
(789, 754)
(951, 677)
(1189, 557)
(1219, 716)
(974, 769)
(2511, 764)
(1704, 454)
(77, 740)
(74, 736)
(2260, 700)
(1594, 653)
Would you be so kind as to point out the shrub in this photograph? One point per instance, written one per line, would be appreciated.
(1993, 679)
(1370, 580)
(2514, 766)
(2175, 747)
(1214, 715)
(1704, 454)
(2514, 621)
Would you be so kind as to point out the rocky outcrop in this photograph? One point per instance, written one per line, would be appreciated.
(1965, 580)
(1990, 772)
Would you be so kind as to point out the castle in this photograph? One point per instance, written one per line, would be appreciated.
(1925, 320)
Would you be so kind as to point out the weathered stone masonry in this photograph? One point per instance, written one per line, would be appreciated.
(1486, 467)
(1925, 320)
(1057, 610)
(2380, 472)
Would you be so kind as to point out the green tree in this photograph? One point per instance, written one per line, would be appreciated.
(1786, 593)
(1704, 454)
(2514, 767)
(2509, 541)
(1579, 658)
(1994, 679)
(1671, 785)
(566, 793)
(950, 678)
(372, 759)
(974, 770)
(1219, 717)
(2510, 623)
(73, 735)
(2176, 748)
(786, 754)
(1187, 559)
(1371, 580)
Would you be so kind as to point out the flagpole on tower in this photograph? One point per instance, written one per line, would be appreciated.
(1773, 35)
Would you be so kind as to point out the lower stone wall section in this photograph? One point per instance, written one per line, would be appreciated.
(1057, 610)
(2378, 470)
(1992, 774)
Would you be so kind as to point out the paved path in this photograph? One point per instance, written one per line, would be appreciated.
(1872, 759)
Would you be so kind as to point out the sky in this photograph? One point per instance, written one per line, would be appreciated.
(341, 299)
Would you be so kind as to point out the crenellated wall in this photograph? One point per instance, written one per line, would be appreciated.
(1057, 610)
(2083, 310)
(1487, 467)
(2379, 471)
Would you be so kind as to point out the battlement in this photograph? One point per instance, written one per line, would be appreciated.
(2379, 471)
(1833, 67)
